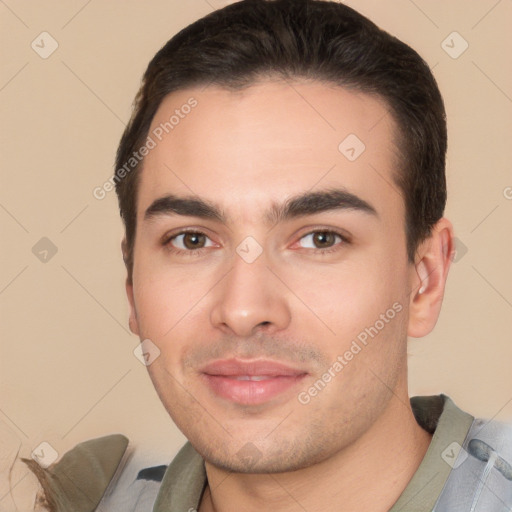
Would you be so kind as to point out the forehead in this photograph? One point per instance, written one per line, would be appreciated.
(248, 148)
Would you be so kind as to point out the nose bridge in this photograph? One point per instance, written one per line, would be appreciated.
(250, 295)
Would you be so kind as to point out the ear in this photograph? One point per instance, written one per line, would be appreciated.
(428, 278)
(132, 320)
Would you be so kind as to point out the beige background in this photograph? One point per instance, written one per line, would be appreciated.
(68, 371)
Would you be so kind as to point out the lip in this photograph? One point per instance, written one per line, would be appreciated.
(233, 379)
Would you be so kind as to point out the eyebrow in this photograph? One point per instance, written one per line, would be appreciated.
(308, 203)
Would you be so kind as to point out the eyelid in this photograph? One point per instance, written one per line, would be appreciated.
(346, 239)
(344, 235)
(171, 235)
(180, 231)
(194, 233)
(313, 233)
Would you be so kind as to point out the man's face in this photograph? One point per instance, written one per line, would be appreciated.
(281, 324)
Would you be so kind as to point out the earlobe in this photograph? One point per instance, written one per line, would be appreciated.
(428, 279)
(132, 319)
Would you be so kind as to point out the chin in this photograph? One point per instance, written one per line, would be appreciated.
(276, 457)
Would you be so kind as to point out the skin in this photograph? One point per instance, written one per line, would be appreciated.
(355, 445)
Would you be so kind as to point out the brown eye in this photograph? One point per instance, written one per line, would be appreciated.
(320, 240)
(324, 239)
(194, 240)
(189, 241)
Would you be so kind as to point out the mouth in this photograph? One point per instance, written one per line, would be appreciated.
(250, 382)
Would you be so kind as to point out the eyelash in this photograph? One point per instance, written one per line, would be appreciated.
(336, 247)
(166, 242)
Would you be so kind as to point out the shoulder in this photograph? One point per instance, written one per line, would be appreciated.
(481, 475)
(97, 472)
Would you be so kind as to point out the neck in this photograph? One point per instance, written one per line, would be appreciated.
(370, 474)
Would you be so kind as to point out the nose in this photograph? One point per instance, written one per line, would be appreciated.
(250, 298)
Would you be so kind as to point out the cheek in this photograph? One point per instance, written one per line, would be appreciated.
(172, 313)
(155, 304)
(346, 298)
(165, 297)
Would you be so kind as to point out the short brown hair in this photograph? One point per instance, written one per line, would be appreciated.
(327, 41)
